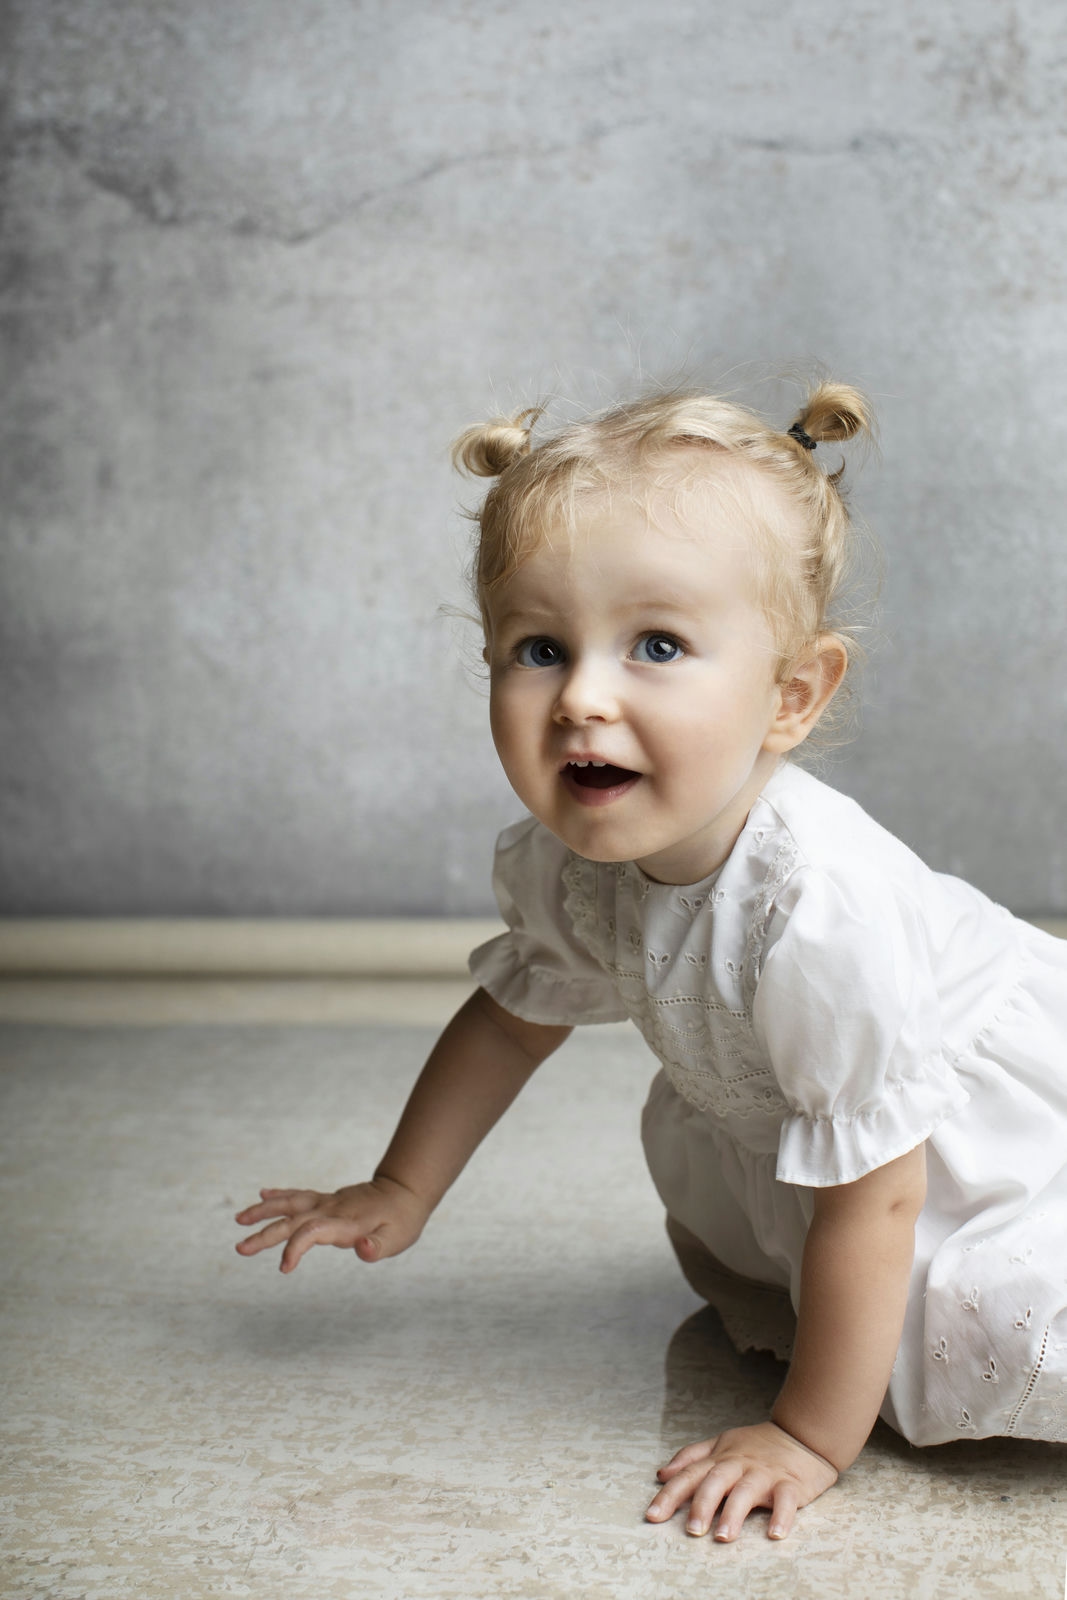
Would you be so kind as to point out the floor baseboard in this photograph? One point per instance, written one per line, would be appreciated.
(408, 947)
(155, 947)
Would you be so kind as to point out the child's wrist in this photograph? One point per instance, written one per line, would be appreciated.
(382, 1175)
(796, 1439)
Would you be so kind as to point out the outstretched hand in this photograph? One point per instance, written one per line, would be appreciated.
(748, 1467)
(375, 1219)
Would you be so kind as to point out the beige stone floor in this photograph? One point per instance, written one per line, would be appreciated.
(480, 1417)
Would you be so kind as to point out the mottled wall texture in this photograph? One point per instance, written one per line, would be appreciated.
(263, 259)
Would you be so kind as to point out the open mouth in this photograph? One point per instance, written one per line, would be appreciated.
(597, 782)
(597, 775)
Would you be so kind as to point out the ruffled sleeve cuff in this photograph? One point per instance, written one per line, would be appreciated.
(822, 1151)
(537, 993)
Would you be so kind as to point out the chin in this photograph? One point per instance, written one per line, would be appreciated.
(601, 855)
(601, 849)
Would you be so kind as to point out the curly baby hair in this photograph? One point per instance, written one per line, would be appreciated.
(804, 541)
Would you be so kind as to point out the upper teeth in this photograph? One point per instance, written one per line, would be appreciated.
(588, 763)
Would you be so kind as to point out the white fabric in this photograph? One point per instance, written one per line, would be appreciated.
(821, 1005)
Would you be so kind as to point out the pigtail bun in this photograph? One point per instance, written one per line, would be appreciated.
(489, 448)
(832, 411)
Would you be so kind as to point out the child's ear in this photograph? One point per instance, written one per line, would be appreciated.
(803, 697)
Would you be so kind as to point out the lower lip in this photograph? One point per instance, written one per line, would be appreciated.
(597, 797)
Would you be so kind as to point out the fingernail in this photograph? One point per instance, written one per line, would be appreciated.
(776, 1531)
(696, 1527)
(723, 1533)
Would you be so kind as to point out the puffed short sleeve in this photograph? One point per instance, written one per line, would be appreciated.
(847, 1012)
(538, 970)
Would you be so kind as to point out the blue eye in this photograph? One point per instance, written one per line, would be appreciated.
(539, 653)
(657, 648)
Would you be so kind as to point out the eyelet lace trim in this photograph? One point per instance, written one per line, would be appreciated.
(990, 1369)
(696, 1037)
(580, 879)
(723, 1097)
(781, 870)
(765, 1322)
(1050, 1424)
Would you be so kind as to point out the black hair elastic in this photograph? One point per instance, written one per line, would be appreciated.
(797, 432)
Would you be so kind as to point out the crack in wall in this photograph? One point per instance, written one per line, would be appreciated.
(156, 194)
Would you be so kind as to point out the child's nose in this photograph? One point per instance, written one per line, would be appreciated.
(588, 694)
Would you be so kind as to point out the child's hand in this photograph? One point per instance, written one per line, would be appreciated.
(375, 1219)
(746, 1467)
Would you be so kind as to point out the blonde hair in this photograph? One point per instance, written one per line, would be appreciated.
(805, 562)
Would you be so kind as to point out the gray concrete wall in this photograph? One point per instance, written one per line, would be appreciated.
(263, 259)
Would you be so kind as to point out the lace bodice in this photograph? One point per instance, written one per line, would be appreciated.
(693, 1004)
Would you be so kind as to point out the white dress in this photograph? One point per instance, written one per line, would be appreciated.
(821, 1005)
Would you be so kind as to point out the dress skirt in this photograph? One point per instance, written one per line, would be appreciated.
(984, 1345)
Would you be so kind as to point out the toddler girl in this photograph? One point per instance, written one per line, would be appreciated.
(863, 1089)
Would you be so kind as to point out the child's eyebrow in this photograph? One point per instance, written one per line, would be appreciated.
(524, 614)
(677, 604)
(649, 609)
(671, 610)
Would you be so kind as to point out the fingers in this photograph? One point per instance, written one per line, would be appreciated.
(318, 1230)
(783, 1511)
(745, 1497)
(278, 1203)
(739, 1493)
(284, 1205)
(267, 1238)
(719, 1484)
(359, 1217)
(714, 1474)
(749, 1494)
(683, 1486)
(686, 1457)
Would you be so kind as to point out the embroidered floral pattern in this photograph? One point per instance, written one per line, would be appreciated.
(723, 1097)
(996, 1372)
(704, 1040)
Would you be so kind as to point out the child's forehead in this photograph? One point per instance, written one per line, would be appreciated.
(678, 541)
(691, 494)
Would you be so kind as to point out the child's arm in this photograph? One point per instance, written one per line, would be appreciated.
(854, 1290)
(474, 1072)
